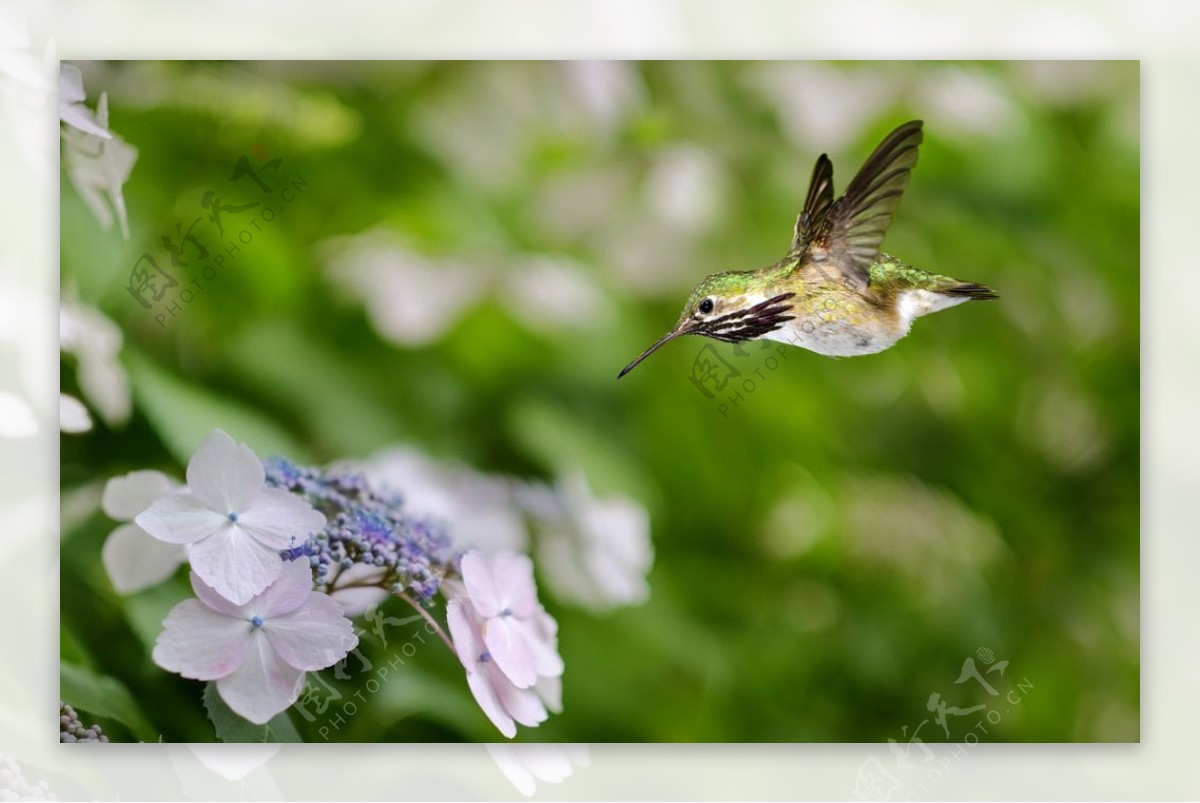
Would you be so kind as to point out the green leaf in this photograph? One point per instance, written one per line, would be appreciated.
(183, 414)
(233, 728)
(103, 696)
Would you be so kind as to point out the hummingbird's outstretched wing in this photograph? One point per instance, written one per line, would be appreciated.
(847, 237)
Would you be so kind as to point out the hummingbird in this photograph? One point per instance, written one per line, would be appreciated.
(834, 292)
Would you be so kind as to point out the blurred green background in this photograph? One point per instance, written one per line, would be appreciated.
(829, 549)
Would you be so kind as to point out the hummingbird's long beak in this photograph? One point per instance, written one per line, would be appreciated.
(671, 335)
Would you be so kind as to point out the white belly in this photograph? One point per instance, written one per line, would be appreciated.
(841, 338)
(835, 338)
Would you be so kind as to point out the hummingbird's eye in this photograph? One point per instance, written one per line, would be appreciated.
(706, 306)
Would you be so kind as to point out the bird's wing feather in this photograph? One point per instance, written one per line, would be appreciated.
(846, 239)
(816, 205)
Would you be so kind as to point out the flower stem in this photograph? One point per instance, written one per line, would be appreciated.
(433, 622)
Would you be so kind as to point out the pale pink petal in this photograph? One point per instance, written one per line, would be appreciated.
(263, 685)
(280, 519)
(180, 518)
(234, 564)
(513, 578)
(130, 494)
(477, 577)
(199, 643)
(541, 642)
(358, 600)
(287, 593)
(208, 595)
(549, 691)
(225, 475)
(485, 695)
(135, 561)
(464, 632)
(313, 637)
(523, 705)
(507, 646)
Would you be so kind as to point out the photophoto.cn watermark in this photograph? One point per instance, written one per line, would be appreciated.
(909, 775)
(164, 283)
(322, 702)
(729, 385)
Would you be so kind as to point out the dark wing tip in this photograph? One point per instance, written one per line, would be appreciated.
(816, 204)
(971, 290)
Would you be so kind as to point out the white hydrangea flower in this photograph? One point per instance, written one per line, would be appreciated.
(234, 524)
(260, 652)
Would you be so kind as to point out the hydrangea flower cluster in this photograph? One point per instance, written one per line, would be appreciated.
(280, 556)
(70, 729)
(368, 538)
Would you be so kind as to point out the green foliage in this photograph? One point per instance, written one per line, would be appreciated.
(230, 727)
(104, 697)
(833, 538)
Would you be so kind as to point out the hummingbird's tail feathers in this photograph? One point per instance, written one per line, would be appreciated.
(970, 290)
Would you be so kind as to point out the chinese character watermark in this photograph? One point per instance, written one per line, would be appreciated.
(196, 258)
(874, 782)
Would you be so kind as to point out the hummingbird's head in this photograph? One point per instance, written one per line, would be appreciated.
(724, 306)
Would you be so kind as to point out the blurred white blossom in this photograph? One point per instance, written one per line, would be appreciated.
(609, 91)
(16, 59)
(822, 104)
(592, 552)
(478, 509)
(969, 100)
(549, 294)
(73, 417)
(98, 167)
(71, 109)
(685, 187)
(95, 341)
(16, 416)
(410, 299)
(595, 552)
